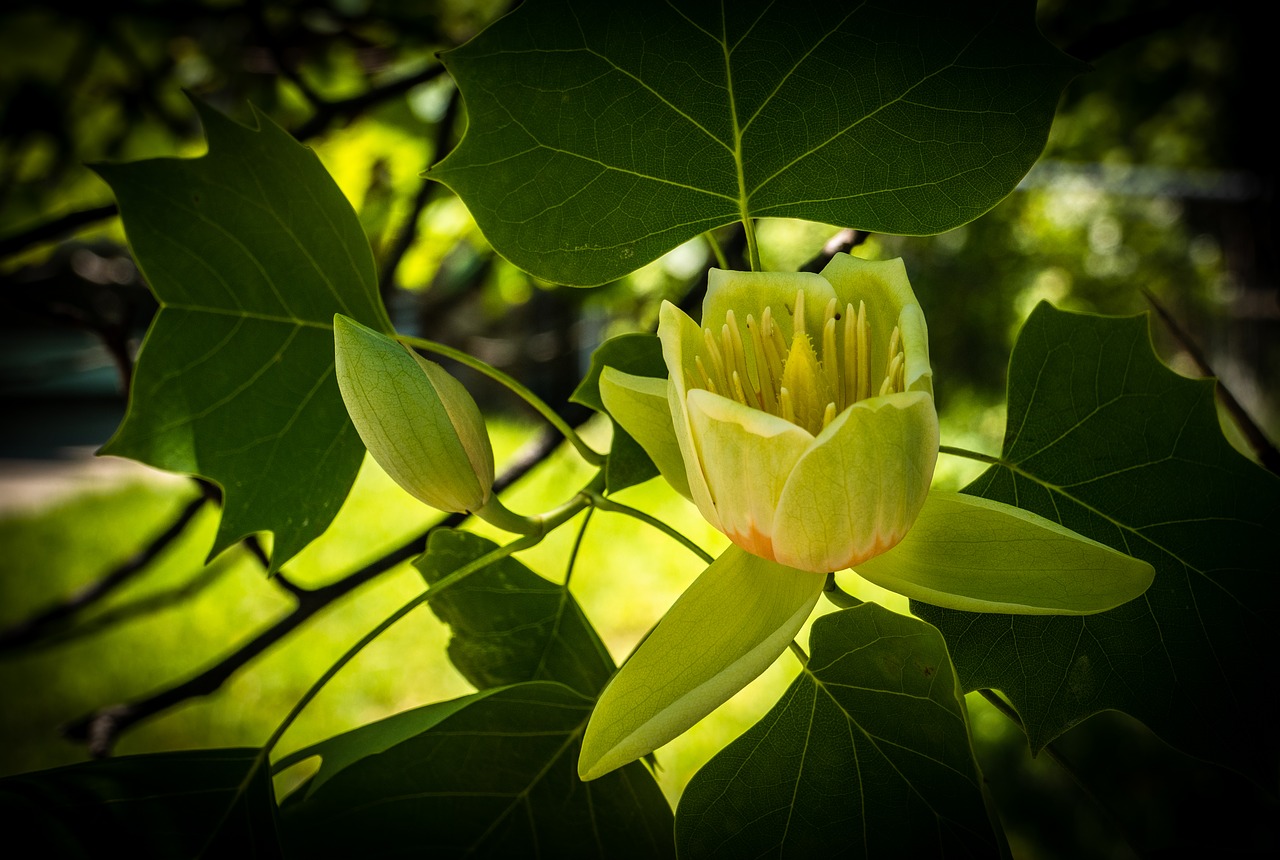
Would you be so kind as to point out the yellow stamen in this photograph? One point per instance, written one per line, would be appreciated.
(864, 353)
(828, 415)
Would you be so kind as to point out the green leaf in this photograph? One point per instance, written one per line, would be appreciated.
(727, 628)
(494, 779)
(635, 353)
(509, 624)
(1105, 440)
(157, 805)
(341, 751)
(250, 251)
(866, 755)
(965, 552)
(602, 136)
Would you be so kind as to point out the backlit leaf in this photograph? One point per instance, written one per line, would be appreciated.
(602, 135)
(866, 755)
(1109, 442)
(497, 778)
(250, 251)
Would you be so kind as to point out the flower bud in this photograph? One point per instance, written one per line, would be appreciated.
(418, 422)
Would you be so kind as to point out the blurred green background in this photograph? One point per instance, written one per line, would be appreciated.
(1156, 178)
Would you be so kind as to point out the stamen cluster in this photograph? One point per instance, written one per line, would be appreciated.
(794, 381)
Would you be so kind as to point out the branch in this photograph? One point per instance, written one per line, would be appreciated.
(1266, 452)
(102, 727)
(55, 229)
(37, 626)
(327, 113)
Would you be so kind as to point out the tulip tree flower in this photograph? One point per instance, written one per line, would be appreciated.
(419, 423)
(799, 418)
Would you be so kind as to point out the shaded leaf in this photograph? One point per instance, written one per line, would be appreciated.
(1109, 442)
(600, 137)
(509, 624)
(636, 353)
(866, 755)
(250, 251)
(158, 805)
(341, 751)
(495, 779)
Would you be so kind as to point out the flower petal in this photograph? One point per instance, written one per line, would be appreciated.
(681, 338)
(639, 405)
(726, 629)
(884, 286)
(746, 456)
(858, 489)
(970, 553)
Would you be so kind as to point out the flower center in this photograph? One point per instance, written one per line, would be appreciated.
(808, 387)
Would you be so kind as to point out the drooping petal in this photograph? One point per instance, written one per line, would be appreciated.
(746, 455)
(639, 405)
(970, 553)
(858, 489)
(726, 629)
(681, 338)
(884, 286)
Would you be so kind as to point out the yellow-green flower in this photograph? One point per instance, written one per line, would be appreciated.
(799, 418)
(803, 408)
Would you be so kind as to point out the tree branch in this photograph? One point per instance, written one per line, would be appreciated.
(1266, 452)
(102, 727)
(55, 229)
(39, 625)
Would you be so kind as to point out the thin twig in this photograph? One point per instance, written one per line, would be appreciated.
(37, 626)
(57, 228)
(349, 108)
(1265, 450)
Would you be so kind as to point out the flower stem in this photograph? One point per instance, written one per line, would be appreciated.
(721, 260)
(971, 455)
(595, 458)
(838, 595)
(753, 249)
(599, 501)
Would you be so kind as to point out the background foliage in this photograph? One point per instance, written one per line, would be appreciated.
(1154, 180)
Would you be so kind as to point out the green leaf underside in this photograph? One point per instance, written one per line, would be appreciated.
(636, 353)
(1107, 441)
(509, 624)
(600, 137)
(250, 251)
(494, 779)
(870, 735)
(157, 805)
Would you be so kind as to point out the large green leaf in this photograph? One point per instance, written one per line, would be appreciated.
(866, 755)
(250, 250)
(159, 805)
(509, 624)
(602, 135)
(1109, 442)
(497, 778)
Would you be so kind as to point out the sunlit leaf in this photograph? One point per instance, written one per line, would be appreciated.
(496, 778)
(867, 752)
(158, 805)
(509, 624)
(250, 250)
(1107, 441)
(602, 135)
